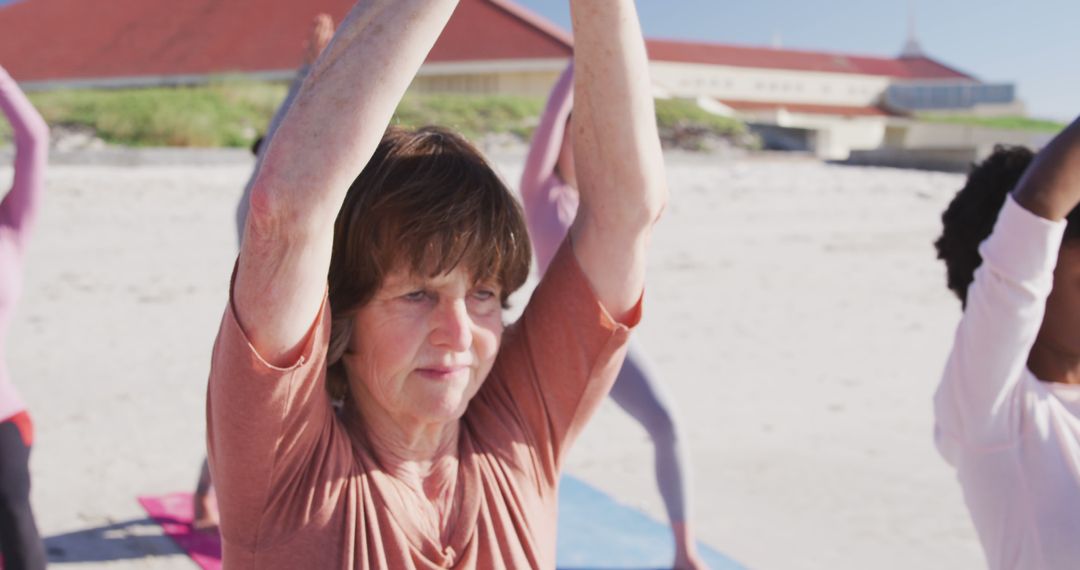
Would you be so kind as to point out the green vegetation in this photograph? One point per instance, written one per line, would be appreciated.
(226, 113)
(472, 116)
(685, 125)
(674, 114)
(232, 113)
(1009, 123)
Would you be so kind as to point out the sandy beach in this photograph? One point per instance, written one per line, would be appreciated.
(795, 308)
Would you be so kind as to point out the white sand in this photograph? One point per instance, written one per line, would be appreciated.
(795, 308)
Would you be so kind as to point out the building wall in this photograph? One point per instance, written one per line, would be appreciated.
(527, 84)
(683, 80)
(748, 84)
(1016, 108)
(944, 135)
(529, 78)
(832, 137)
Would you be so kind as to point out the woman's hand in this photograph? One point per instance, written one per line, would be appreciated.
(322, 31)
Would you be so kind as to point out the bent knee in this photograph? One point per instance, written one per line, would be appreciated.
(661, 425)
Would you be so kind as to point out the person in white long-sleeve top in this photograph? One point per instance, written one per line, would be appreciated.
(1008, 406)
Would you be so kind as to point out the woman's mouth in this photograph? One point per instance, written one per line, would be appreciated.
(441, 372)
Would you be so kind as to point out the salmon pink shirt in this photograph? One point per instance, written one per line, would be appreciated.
(295, 490)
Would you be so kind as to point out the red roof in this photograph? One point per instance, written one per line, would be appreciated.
(80, 39)
(484, 30)
(805, 108)
(100, 39)
(769, 58)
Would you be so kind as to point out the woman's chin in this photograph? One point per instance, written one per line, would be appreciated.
(443, 410)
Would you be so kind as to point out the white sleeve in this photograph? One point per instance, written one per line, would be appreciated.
(977, 403)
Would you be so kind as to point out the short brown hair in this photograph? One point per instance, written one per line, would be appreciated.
(428, 199)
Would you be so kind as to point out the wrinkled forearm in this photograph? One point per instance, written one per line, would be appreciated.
(343, 108)
(618, 155)
(619, 163)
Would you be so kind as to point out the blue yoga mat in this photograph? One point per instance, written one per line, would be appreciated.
(597, 533)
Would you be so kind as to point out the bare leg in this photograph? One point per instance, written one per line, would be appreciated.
(640, 393)
(206, 515)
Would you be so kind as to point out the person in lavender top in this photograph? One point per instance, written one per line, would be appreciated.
(20, 543)
(550, 198)
(1008, 406)
(322, 29)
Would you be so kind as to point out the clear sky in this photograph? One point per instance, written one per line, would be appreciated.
(1035, 44)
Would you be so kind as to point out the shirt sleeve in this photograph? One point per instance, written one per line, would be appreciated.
(31, 134)
(264, 423)
(559, 361)
(978, 402)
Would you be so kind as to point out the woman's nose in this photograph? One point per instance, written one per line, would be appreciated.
(452, 327)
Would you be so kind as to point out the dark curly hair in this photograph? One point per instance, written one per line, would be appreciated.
(971, 215)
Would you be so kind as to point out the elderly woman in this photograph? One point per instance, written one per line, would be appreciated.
(452, 432)
(20, 545)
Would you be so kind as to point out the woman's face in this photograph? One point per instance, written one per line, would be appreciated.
(422, 347)
(1061, 323)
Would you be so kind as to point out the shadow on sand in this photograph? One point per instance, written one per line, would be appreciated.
(136, 538)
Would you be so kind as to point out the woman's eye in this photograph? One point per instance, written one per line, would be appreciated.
(415, 295)
(484, 295)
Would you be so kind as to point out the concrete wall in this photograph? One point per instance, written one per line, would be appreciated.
(833, 137)
(933, 146)
(684, 80)
(533, 84)
(948, 160)
(530, 78)
(915, 135)
(748, 84)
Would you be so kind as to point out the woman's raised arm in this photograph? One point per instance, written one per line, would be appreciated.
(620, 166)
(1051, 186)
(548, 139)
(322, 30)
(31, 134)
(323, 143)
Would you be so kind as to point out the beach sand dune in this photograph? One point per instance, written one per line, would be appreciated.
(795, 309)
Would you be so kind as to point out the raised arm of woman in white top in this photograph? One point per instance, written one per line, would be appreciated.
(977, 401)
(1051, 186)
(620, 167)
(323, 143)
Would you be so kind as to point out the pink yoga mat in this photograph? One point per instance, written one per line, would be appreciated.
(174, 512)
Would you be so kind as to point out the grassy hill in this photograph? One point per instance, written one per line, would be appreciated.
(232, 113)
